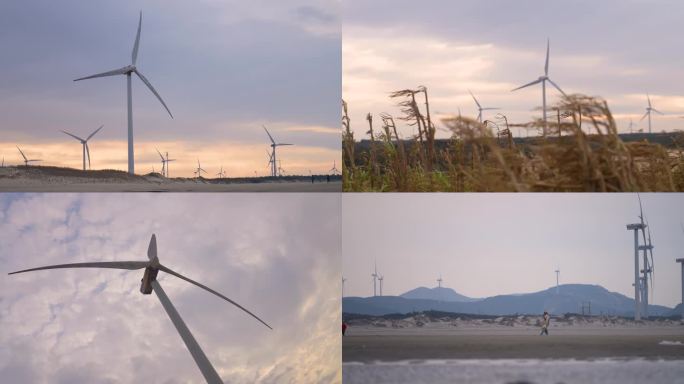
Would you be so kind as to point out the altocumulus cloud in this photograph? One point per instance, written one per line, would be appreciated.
(276, 254)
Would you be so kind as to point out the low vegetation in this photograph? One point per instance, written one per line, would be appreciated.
(579, 150)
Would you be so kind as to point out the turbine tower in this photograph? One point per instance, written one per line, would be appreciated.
(343, 280)
(557, 273)
(221, 173)
(649, 109)
(479, 108)
(150, 283)
(439, 281)
(380, 279)
(543, 79)
(165, 163)
(26, 160)
(274, 167)
(641, 282)
(84, 142)
(128, 70)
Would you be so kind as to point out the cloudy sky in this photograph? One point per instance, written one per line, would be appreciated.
(224, 68)
(276, 254)
(617, 49)
(490, 244)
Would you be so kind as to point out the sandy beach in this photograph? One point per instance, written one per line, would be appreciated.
(510, 350)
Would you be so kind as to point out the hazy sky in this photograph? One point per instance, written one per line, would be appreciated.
(490, 244)
(616, 49)
(224, 68)
(276, 254)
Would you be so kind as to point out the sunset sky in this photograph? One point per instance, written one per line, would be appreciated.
(619, 50)
(224, 68)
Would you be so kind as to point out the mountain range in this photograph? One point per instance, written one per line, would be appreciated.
(568, 299)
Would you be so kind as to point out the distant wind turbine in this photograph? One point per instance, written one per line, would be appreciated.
(543, 79)
(150, 283)
(439, 282)
(84, 142)
(128, 70)
(221, 174)
(557, 274)
(334, 169)
(26, 160)
(199, 170)
(479, 108)
(375, 276)
(380, 279)
(274, 169)
(649, 109)
(165, 163)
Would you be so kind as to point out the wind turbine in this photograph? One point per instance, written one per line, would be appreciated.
(439, 281)
(150, 283)
(479, 108)
(343, 281)
(164, 162)
(199, 170)
(221, 174)
(274, 170)
(334, 169)
(84, 142)
(280, 169)
(631, 126)
(27, 161)
(557, 274)
(543, 79)
(649, 109)
(128, 70)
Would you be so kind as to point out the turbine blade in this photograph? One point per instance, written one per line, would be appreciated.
(22, 153)
(160, 155)
(167, 270)
(134, 55)
(490, 109)
(120, 71)
(546, 65)
(478, 104)
(96, 131)
(279, 144)
(527, 85)
(198, 355)
(649, 100)
(103, 264)
(269, 135)
(152, 249)
(557, 87)
(656, 111)
(87, 153)
(74, 136)
(144, 80)
(644, 116)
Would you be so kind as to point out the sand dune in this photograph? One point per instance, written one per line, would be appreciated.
(54, 179)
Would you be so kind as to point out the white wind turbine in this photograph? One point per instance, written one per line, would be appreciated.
(649, 109)
(150, 283)
(221, 173)
(543, 79)
(274, 169)
(26, 160)
(84, 142)
(479, 108)
(165, 163)
(334, 169)
(199, 170)
(380, 279)
(128, 70)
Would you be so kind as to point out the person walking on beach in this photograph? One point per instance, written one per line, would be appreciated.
(545, 324)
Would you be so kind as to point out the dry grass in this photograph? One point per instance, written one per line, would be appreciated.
(581, 152)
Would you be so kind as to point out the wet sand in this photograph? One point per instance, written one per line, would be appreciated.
(523, 344)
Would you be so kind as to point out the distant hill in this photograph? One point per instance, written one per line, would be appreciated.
(437, 293)
(568, 300)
